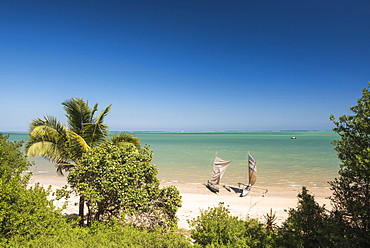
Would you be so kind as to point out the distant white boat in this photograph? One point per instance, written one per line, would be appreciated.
(293, 137)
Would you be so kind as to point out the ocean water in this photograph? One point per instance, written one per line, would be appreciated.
(187, 157)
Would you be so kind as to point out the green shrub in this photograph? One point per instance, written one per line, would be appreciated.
(104, 235)
(25, 212)
(12, 160)
(120, 181)
(215, 227)
(307, 226)
(28, 218)
(351, 190)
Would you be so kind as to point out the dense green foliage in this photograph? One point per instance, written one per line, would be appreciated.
(351, 191)
(120, 181)
(12, 160)
(28, 219)
(102, 235)
(24, 212)
(215, 227)
(306, 226)
(65, 145)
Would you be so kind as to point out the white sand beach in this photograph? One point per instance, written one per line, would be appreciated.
(196, 197)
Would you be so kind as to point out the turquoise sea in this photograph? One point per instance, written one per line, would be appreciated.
(187, 157)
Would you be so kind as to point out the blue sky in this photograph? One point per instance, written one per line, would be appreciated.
(192, 65)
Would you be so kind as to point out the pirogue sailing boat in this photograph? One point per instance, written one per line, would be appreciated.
(219, 168)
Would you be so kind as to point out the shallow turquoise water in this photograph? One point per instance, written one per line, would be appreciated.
(187, 157)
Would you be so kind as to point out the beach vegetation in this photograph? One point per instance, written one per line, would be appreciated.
(29, 219)
(123, 139)
(215, 227)
(351, 190)
(102, 235)
(12, 160)
(25, 212)
(308, 225)
(114, 176)
(120, 183)
(270, 221)
(65, 144)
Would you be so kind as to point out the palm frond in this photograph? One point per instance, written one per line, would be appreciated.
(126, 138)
(96, 132)
(62, 129)
(95, 108)
(54, 154)
(83, 146)
(64, 166)
(47, 150)
(78, 113)
(103, 114)
(43, 132)
(48, 121)
(65, 145)
(82, 122)
(47, 129)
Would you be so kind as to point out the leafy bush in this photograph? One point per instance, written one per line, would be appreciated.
(24, 212)
(215, 227)
(104, 235)
(351, 190)
(28, 219)
(12, 160)
(115, 235)
(120, 181)
(307, 225)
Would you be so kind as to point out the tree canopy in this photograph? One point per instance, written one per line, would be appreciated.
(351, 190)
(306, 226)
(120, 182)
(64, 144)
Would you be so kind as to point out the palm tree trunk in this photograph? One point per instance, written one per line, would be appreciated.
(81, 210)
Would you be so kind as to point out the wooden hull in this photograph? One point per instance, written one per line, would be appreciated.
(213, 188)
(246, 191)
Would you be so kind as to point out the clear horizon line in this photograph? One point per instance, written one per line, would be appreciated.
(227, 130)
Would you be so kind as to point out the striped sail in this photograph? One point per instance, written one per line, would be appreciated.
(252, 164)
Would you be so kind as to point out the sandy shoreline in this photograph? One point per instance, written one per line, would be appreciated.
(196, 197)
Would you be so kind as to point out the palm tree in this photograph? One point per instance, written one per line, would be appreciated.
(63, 144)
(52, 140)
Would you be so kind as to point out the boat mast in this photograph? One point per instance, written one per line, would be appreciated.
(248, 154)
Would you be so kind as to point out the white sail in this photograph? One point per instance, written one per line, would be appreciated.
(219, 168)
